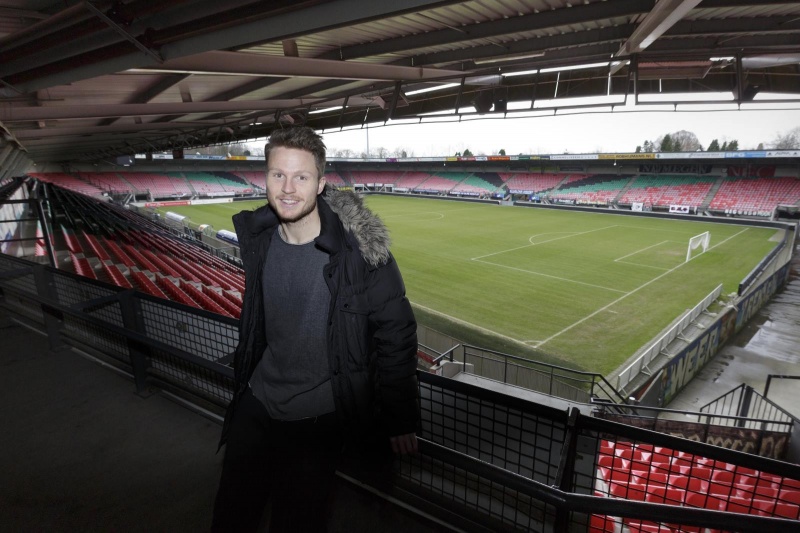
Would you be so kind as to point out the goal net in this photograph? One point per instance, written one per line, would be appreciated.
(698, 242)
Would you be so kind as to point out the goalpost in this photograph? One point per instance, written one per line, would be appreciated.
(698, 241)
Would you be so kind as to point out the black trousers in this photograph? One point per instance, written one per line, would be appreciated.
(291, 465)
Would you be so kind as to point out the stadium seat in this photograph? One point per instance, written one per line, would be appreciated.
(602, 524)
(787, 510)
(207, 303)
(145, 284)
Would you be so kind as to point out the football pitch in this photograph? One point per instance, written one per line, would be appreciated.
(581, 289)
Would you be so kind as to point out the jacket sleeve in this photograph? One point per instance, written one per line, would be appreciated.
(395, 340)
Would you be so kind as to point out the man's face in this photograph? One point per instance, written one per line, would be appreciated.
(293, 183)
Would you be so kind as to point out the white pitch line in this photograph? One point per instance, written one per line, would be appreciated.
(569, 234)
(441, 215)
(639, 251)
(551, 240)
(469, 324)
(640, 265)
(637, 289)
(433, 212)
(548, 276)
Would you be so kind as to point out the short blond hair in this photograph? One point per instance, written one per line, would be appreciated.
(301, 138)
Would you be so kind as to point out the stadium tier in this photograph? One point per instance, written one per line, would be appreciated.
(129, 255)
(755, 196)
(374, 177)
(736, 195)
(334, 179)
(217, 183)
(599, 189)
(477, 185)
(257, 179)
(668, 190)
(68, 181)
(166, 185)
(411, 180)
(107, 181)
(529, 183)
(442, 182)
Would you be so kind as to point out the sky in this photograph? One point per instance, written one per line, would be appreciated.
(577, 133)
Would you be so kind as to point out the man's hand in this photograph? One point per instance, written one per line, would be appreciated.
(404, 444)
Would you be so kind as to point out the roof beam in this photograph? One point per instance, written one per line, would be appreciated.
(497, 28)
(661, 18)
(239, 63)
(161, 85)
(577, 40)
(104, 130)
(78, 112)
(314, 18)
(21, 114)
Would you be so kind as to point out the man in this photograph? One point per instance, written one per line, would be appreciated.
(327, 345)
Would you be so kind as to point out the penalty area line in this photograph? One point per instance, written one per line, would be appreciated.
(549, 276)
(637, 289)
(571, 234)
(470, 325)
(638, 251)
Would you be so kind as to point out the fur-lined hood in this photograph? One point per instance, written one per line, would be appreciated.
(363, 226)
(367, 228)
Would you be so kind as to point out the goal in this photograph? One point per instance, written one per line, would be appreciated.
(698, 242)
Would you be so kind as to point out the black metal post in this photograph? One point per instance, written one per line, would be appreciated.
(566, 469)
(744, 405)
(138, 353)
(53, 320)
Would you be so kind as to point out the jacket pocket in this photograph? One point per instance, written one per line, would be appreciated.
(353, 317)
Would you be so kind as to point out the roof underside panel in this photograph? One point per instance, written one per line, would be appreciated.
(85, 80)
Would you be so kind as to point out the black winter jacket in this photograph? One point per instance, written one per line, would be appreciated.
(372, 340)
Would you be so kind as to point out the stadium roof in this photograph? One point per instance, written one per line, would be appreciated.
(83, 80)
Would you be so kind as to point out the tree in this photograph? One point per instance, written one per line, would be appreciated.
(502, 151)
(666, 144)
(467, 153)
(787, 141)
(685, 141)
(714, 146)
(760, 146)
(733, 145)
(724, 146)
(639, 149)
(648, 147)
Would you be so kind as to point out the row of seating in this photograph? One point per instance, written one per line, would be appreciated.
(125, 249)
(756, 194)
(532, 183)
(217, 183)
(736, 195)
(647, 473)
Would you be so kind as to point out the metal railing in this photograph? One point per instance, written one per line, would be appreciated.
(745, 407)
(536, 376)
(656, 347)
(762, 265)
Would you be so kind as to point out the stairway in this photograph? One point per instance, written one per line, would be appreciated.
(624, 190)
(711, 194)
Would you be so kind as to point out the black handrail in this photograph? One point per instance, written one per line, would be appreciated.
(595, 381)
(572, 502)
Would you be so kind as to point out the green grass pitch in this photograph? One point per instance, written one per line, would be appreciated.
(581, 289)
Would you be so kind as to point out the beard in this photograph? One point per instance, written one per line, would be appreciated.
(308, 208)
